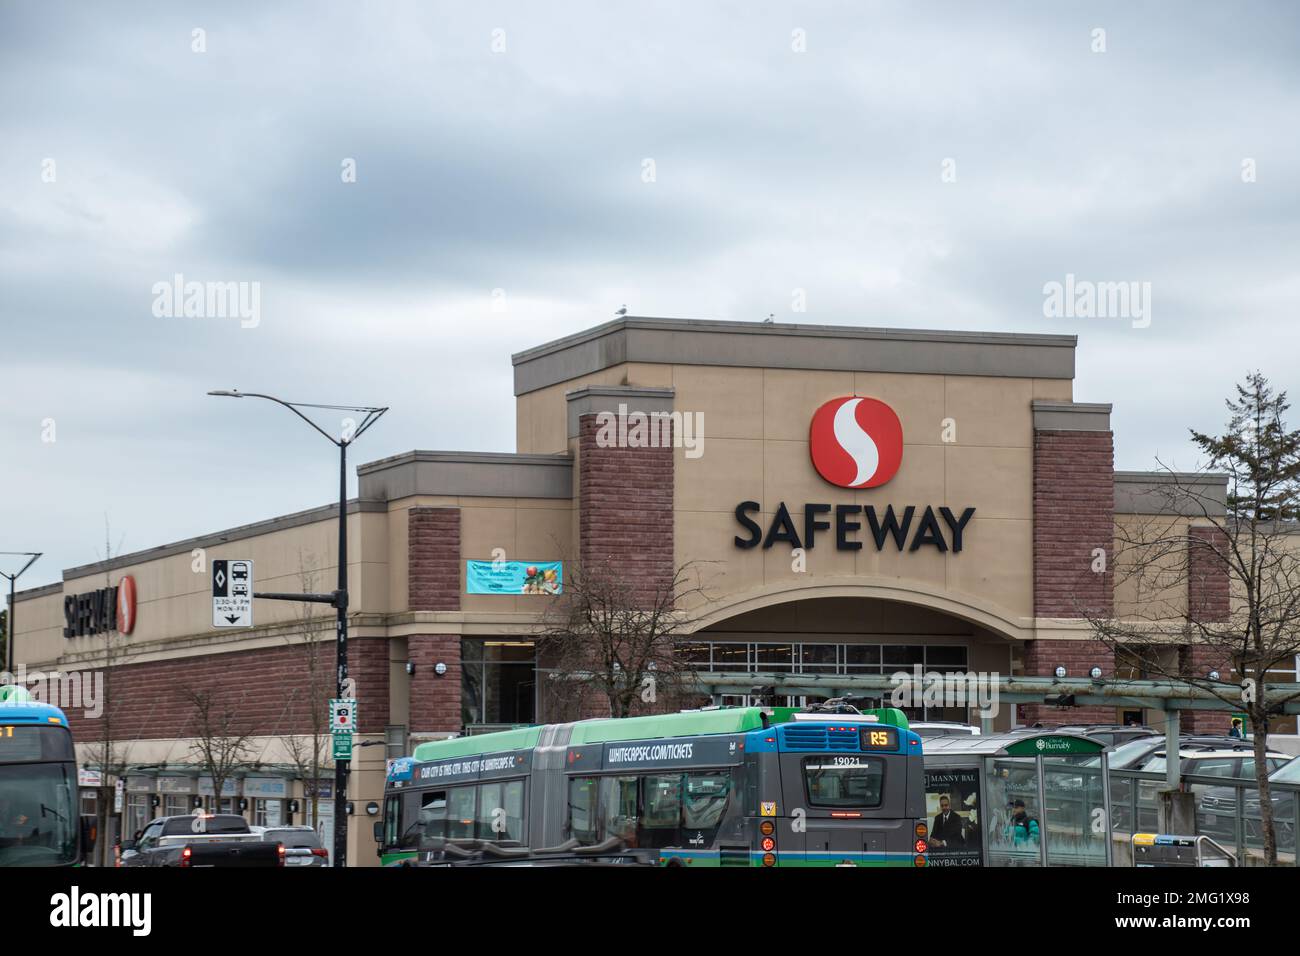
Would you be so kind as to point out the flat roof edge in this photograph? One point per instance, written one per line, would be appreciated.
(560, 459)
(1048, 339)
(664, 341)
(267, 526)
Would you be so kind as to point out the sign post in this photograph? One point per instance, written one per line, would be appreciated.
(232, 593)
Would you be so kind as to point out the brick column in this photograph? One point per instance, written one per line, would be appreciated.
(1208, 588)
(1074, 515)
(433, 559)
(434, 583)
(435, 699)
(1207, 575)
(625, 514)
(368, 666)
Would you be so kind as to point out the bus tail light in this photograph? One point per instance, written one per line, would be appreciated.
(769, 859)
(186, 853)
(919, 861)
(922, 830)
(768, 844)
(921, 846)
(767, 828)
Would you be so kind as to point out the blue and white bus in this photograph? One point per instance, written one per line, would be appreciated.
(39, 820)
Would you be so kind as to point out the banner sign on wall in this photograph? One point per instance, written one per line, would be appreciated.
(514, 577)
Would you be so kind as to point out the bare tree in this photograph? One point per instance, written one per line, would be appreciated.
(219, 737)
(1223, 589)
(609, 640)
(108, 753)
(312, 691)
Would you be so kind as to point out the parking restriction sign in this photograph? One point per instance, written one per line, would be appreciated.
(343, 715)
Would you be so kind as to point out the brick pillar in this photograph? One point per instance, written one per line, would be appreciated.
(1208, 588)
(1074, 515)
(434, 582)
(626, 507)
(368, 666)
(435, 699)
(1207, 575)
(433, 559)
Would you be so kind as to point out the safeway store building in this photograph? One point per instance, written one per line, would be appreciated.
(865, 500)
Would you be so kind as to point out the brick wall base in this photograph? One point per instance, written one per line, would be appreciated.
(435, 700)
(1041, 659)
(268, 689)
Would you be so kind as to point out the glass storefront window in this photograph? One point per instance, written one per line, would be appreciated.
(768, 657)
(138, 813)
(862, 657)
(498, 682)
(939, 657)
(819, 658)
(697, 655)
(903, 655)
(730, 657)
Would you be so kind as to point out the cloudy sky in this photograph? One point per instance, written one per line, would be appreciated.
(914, 164)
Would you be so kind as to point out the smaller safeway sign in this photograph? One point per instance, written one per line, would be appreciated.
(232, 593)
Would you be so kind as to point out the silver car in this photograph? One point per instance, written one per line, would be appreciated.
(302, 846)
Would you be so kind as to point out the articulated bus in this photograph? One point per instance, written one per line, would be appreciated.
(727, 787)
(39, 820)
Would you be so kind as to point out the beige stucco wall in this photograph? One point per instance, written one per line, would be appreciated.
(756, 448)
(1150, 575)
(525, 529)
(173, 593)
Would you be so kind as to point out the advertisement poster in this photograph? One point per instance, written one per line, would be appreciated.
(952, 811)
(514, 577)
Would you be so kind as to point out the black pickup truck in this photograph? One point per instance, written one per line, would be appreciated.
(200, 840)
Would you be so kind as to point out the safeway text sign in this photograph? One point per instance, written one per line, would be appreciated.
(232, 593)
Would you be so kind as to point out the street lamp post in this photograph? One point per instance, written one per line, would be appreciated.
(339, 599)
(13, 604)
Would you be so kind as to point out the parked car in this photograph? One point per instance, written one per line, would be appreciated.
(200, 840)
(1217, 809)
(302, 846)
(942, 728)
(1218, 762)
(1130, 755)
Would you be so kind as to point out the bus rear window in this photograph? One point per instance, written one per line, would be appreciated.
(844, 781)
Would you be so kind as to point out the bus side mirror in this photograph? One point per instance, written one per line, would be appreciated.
(89, 832)
(379, 832)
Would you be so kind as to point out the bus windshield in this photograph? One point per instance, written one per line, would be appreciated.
(835, 781)
(38, 819)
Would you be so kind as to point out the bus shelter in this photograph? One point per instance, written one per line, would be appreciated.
(1024, 798)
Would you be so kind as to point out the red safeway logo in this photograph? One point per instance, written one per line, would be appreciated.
(126, 605)
(856, 442)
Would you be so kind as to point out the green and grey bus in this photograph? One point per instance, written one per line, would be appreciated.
(726, 787)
